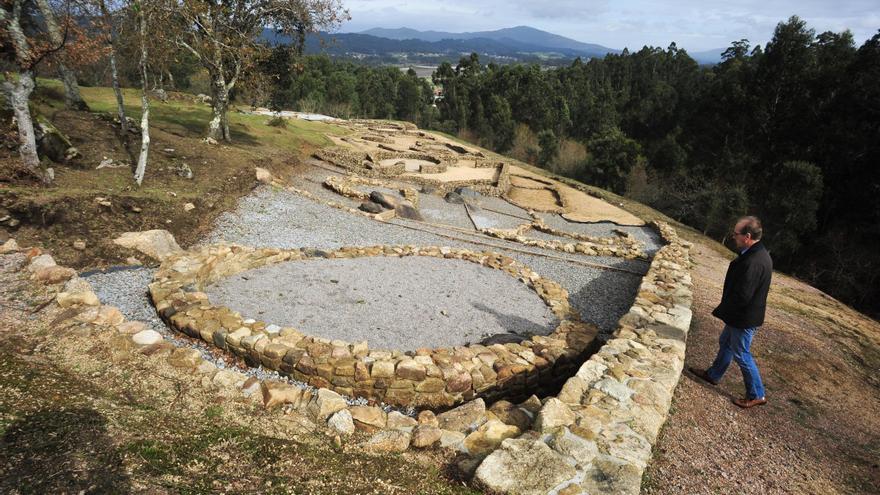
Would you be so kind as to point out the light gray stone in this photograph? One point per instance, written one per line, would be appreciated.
(614, 389)
(388, 441)
(158, 244)
(146, 337)
(327, 403)
(524, 466)
(40, 262)
(583, 451)
(341, 422)
(464, 418)
(554, 414)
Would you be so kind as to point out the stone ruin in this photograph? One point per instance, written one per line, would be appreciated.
(604, 402)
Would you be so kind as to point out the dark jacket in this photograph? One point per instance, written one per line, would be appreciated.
(746, 285)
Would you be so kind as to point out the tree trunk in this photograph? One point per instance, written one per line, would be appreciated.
(218, 128)
(72, 98)
(17, 95)
(114, 74)
(145, 104)
(120, 107)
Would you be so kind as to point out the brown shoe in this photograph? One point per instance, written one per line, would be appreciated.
(749, 403)
(702, 375)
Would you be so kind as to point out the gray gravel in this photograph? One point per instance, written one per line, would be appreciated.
(486, 219)
(277, 218)
(286, 220)
(502, 205)
(435, 209)
(392, 303)
(126, 288)
(645, 234)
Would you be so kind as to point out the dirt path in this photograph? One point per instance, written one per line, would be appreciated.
(820, 432)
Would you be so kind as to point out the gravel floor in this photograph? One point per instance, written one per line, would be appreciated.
(286, 220)
(392, 303)
(504, 206)
(486, 219)
(127, 290)
(435, 209)
(276, 218)
(604, 229)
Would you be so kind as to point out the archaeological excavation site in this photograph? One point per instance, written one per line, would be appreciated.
(404, 291)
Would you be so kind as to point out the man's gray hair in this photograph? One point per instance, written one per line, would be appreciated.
(752, 226)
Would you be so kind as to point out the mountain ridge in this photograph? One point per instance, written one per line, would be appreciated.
(521, 34)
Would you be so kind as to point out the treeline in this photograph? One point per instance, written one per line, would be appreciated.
(789, 131)
(315, 83)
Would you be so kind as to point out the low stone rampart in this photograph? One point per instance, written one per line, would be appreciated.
(433, 378)
(623, 245)
(596, 435)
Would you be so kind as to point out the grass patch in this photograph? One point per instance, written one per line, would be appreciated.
(55, 216)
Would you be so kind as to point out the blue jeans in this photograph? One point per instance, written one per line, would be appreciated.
(734, 344)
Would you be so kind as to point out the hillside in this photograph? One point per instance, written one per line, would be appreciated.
(380, 46)
(520, 34)
(73, 403)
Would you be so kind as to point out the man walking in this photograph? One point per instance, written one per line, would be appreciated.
(743, 303)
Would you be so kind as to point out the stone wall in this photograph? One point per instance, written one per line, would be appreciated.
(433, 378)
(623, 245)
(596, 435)
(366, 164)
(345, 186)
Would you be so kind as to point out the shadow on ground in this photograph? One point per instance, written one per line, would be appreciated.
(60, 451)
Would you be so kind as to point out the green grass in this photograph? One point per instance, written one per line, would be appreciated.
(190, 119)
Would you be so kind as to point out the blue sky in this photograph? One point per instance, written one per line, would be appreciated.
(694, 25)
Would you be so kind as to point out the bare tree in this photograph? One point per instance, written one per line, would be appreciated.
(110, 27)
(72, 97)
(17, 88)
(145, 102)
(224, 36)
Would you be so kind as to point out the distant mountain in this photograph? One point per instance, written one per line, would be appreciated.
(405, 46)
(520, 34)
(708, 57)
(529, 45)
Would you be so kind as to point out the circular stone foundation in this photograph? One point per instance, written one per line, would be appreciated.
(427, 377)
(405, 304)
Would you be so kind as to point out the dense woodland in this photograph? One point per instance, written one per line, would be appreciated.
(789, 131)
